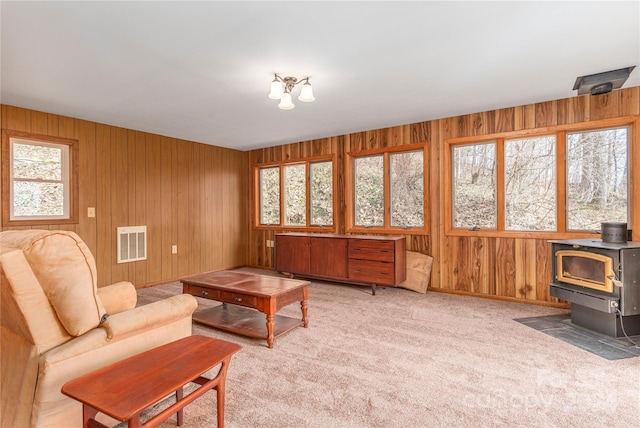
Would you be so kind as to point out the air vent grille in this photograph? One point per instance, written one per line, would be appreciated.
(132, 244)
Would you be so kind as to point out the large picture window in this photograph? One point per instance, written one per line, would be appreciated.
(386, 189)
(296, 194)
(566, 180)
(40, 182)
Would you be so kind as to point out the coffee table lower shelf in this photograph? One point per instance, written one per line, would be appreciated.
(244, 321)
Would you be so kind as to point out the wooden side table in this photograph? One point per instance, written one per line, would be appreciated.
(123, 390)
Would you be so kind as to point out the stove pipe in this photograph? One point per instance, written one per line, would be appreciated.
(615, 233)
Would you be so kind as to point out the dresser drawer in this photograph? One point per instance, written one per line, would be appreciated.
(371, 271)
(238, 299)
(360, 249)
(204, 292)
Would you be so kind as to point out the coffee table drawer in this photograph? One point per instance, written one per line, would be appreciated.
(238, 299)
(205, 292)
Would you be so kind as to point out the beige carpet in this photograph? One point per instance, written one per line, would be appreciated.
(404, 359)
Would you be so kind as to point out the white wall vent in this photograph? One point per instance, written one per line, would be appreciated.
(132, 244)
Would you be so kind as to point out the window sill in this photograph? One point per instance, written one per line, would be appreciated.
(49, 222)
(493, 233)
(279, 228)
(387, 231)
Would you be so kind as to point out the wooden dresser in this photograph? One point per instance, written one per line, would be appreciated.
(355, 259)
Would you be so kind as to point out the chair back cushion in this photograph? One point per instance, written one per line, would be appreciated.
(66, 271)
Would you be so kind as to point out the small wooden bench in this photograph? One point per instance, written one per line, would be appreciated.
(123, 390)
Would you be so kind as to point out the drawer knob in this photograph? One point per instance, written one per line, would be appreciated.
(205, 293)
(238, 299)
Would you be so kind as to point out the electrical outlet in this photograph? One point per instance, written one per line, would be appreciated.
(91, 212)
(174, 249)
(269, 243)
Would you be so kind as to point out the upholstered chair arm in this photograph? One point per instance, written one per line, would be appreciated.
(136, 321)
(118, 297)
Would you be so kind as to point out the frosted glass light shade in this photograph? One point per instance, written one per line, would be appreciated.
(285, 102)
(306, 93)
(277, 89)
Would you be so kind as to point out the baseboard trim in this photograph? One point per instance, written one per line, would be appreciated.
(502, 298)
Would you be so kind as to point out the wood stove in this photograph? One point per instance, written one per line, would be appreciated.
(602, 282)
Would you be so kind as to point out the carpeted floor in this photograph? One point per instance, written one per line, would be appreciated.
(404, 359)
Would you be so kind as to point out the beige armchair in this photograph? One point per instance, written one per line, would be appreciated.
(57, 325)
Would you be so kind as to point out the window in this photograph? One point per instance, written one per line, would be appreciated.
(386, 189)
(529, 183)
(270, 195)
(406, 189)
(369, 190)
(295, 195)
(306, 199)
(40, 179)
(566, 180)
(474, 177)
(321, 177)
(597, 178)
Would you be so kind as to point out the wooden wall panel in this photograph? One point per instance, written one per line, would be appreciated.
(119, 195)
(173, 187)
(157, 167)
(103, 205)
(139, 203)
(39, 123)
(506, 268)
(87, 197)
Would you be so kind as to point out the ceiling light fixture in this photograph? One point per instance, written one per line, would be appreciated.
(281, 90)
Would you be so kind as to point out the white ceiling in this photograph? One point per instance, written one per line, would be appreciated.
(201, 71)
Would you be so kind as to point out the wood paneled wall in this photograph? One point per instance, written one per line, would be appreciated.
(187, 194)
(516, 269)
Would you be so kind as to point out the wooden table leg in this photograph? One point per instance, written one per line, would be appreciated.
(270, 318)
(88, 415)
(134, 422)
(180, 414)
(305, 319)
(220, 388)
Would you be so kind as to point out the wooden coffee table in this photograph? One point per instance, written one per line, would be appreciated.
(123, 390)
(247, 294)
